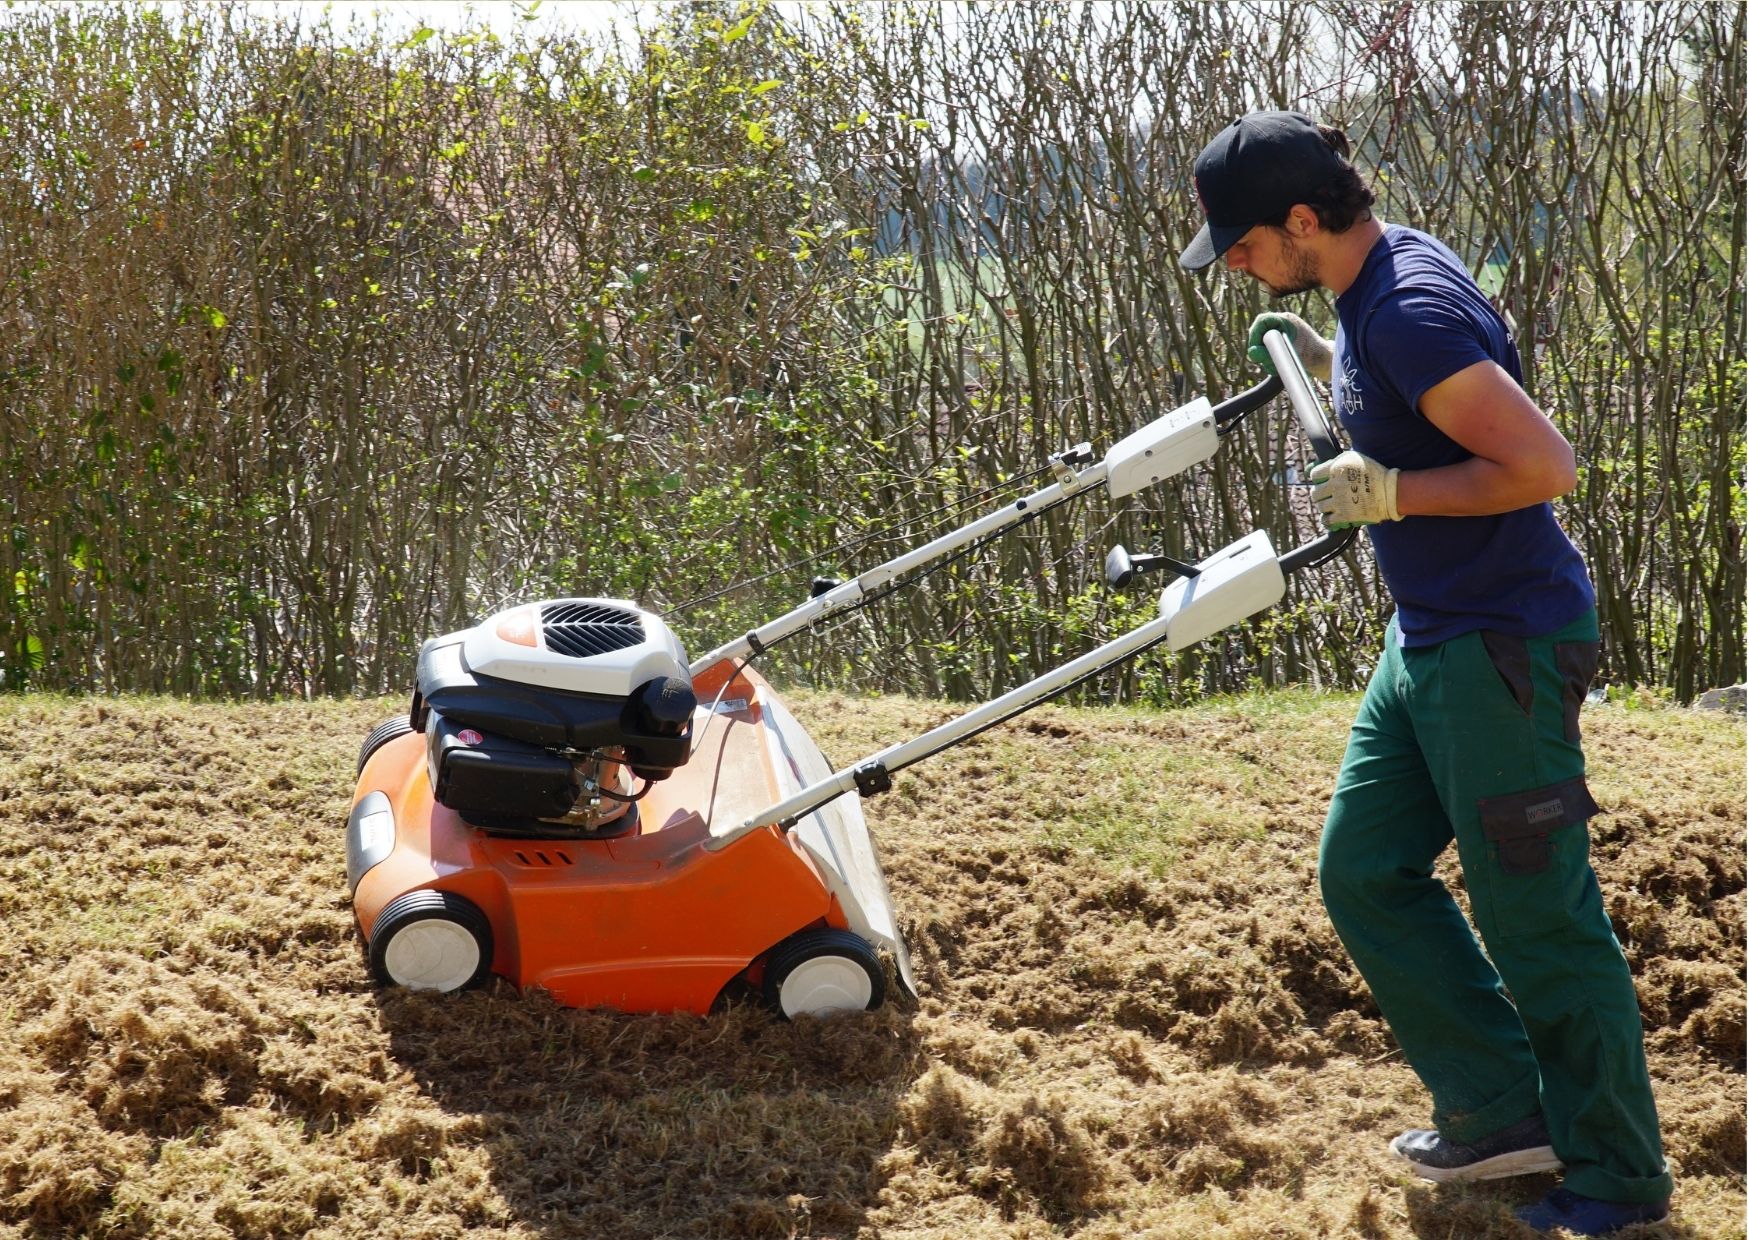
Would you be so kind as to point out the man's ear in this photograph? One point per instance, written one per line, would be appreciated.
(1302, 222)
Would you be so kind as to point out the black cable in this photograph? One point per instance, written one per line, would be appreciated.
(703, 731)
(627, 800)
(1339, 546)
(1013, 714)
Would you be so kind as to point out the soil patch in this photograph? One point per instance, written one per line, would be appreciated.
(1135, 1019)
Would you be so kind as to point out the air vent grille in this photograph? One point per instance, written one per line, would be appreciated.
(583, 630)
(539, 858)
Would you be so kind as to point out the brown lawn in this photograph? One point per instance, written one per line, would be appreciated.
(1135, 1020)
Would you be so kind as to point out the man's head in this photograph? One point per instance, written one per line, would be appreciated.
(1256, 171)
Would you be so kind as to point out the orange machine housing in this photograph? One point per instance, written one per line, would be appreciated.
(650, 921)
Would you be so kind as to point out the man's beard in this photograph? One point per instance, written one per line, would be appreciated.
(1302, 274)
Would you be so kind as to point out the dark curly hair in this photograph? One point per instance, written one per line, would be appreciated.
(1345, 200)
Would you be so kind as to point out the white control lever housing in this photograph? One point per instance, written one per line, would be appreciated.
(1238, 581)
(1169, 445)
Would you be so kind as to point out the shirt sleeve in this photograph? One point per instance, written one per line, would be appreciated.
(1417, 339)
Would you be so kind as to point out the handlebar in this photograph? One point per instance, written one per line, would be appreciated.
(1324, 445)
(1121, 566)
(1306, 407)
(1247, 401)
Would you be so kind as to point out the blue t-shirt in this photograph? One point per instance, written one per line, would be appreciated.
(1411, 319)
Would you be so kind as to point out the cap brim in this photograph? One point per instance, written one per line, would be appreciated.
(1209, 244)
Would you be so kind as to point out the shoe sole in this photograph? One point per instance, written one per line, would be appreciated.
(1501, 1166)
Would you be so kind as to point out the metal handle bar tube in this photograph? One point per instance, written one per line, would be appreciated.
(906, 753)
(1309, 411)
(1306, 406)
(842, 596)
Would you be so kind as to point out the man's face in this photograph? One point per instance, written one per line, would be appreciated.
(1272, 257)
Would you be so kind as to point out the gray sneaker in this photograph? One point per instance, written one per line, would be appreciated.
(1521, 1149)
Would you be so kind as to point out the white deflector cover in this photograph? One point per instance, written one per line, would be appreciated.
(836, 836)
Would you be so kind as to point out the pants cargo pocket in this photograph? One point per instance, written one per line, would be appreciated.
(1539, 847)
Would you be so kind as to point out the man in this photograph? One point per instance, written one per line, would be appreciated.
(1469, 727)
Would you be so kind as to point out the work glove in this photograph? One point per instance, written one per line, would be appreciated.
(1315, 353)
(1354, 490)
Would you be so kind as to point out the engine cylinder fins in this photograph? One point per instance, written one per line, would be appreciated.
(584, 630)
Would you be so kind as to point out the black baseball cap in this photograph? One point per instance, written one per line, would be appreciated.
(1256, 169)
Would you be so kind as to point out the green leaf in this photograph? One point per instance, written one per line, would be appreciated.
(762, 87)
(755, 133)
(739, 30)
(417, 37)
(215, 318)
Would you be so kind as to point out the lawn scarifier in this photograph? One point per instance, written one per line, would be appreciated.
(497, 826)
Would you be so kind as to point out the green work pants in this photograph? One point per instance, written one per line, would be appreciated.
(1476, 739)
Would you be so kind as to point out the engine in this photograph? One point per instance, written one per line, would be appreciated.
(541, 720)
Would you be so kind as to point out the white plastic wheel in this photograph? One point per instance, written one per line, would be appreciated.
(432, 954)
(825, 984)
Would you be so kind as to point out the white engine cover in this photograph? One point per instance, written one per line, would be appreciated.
(601, 646)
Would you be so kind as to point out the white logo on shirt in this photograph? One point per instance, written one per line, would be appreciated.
(1352, 400)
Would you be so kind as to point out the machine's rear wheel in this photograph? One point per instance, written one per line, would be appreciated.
(431, 940)
(380, 735)
(823, 971)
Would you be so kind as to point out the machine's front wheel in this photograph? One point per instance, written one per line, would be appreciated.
(431, 940)
(380, 735)
(824, 971)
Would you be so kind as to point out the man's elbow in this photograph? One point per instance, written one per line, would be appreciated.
(1559, 473)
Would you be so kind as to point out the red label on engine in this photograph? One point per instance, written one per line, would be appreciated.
(467, 736)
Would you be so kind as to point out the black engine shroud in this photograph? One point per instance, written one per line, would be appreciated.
(517, 763)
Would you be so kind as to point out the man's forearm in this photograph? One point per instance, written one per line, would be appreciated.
(1479, 487)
